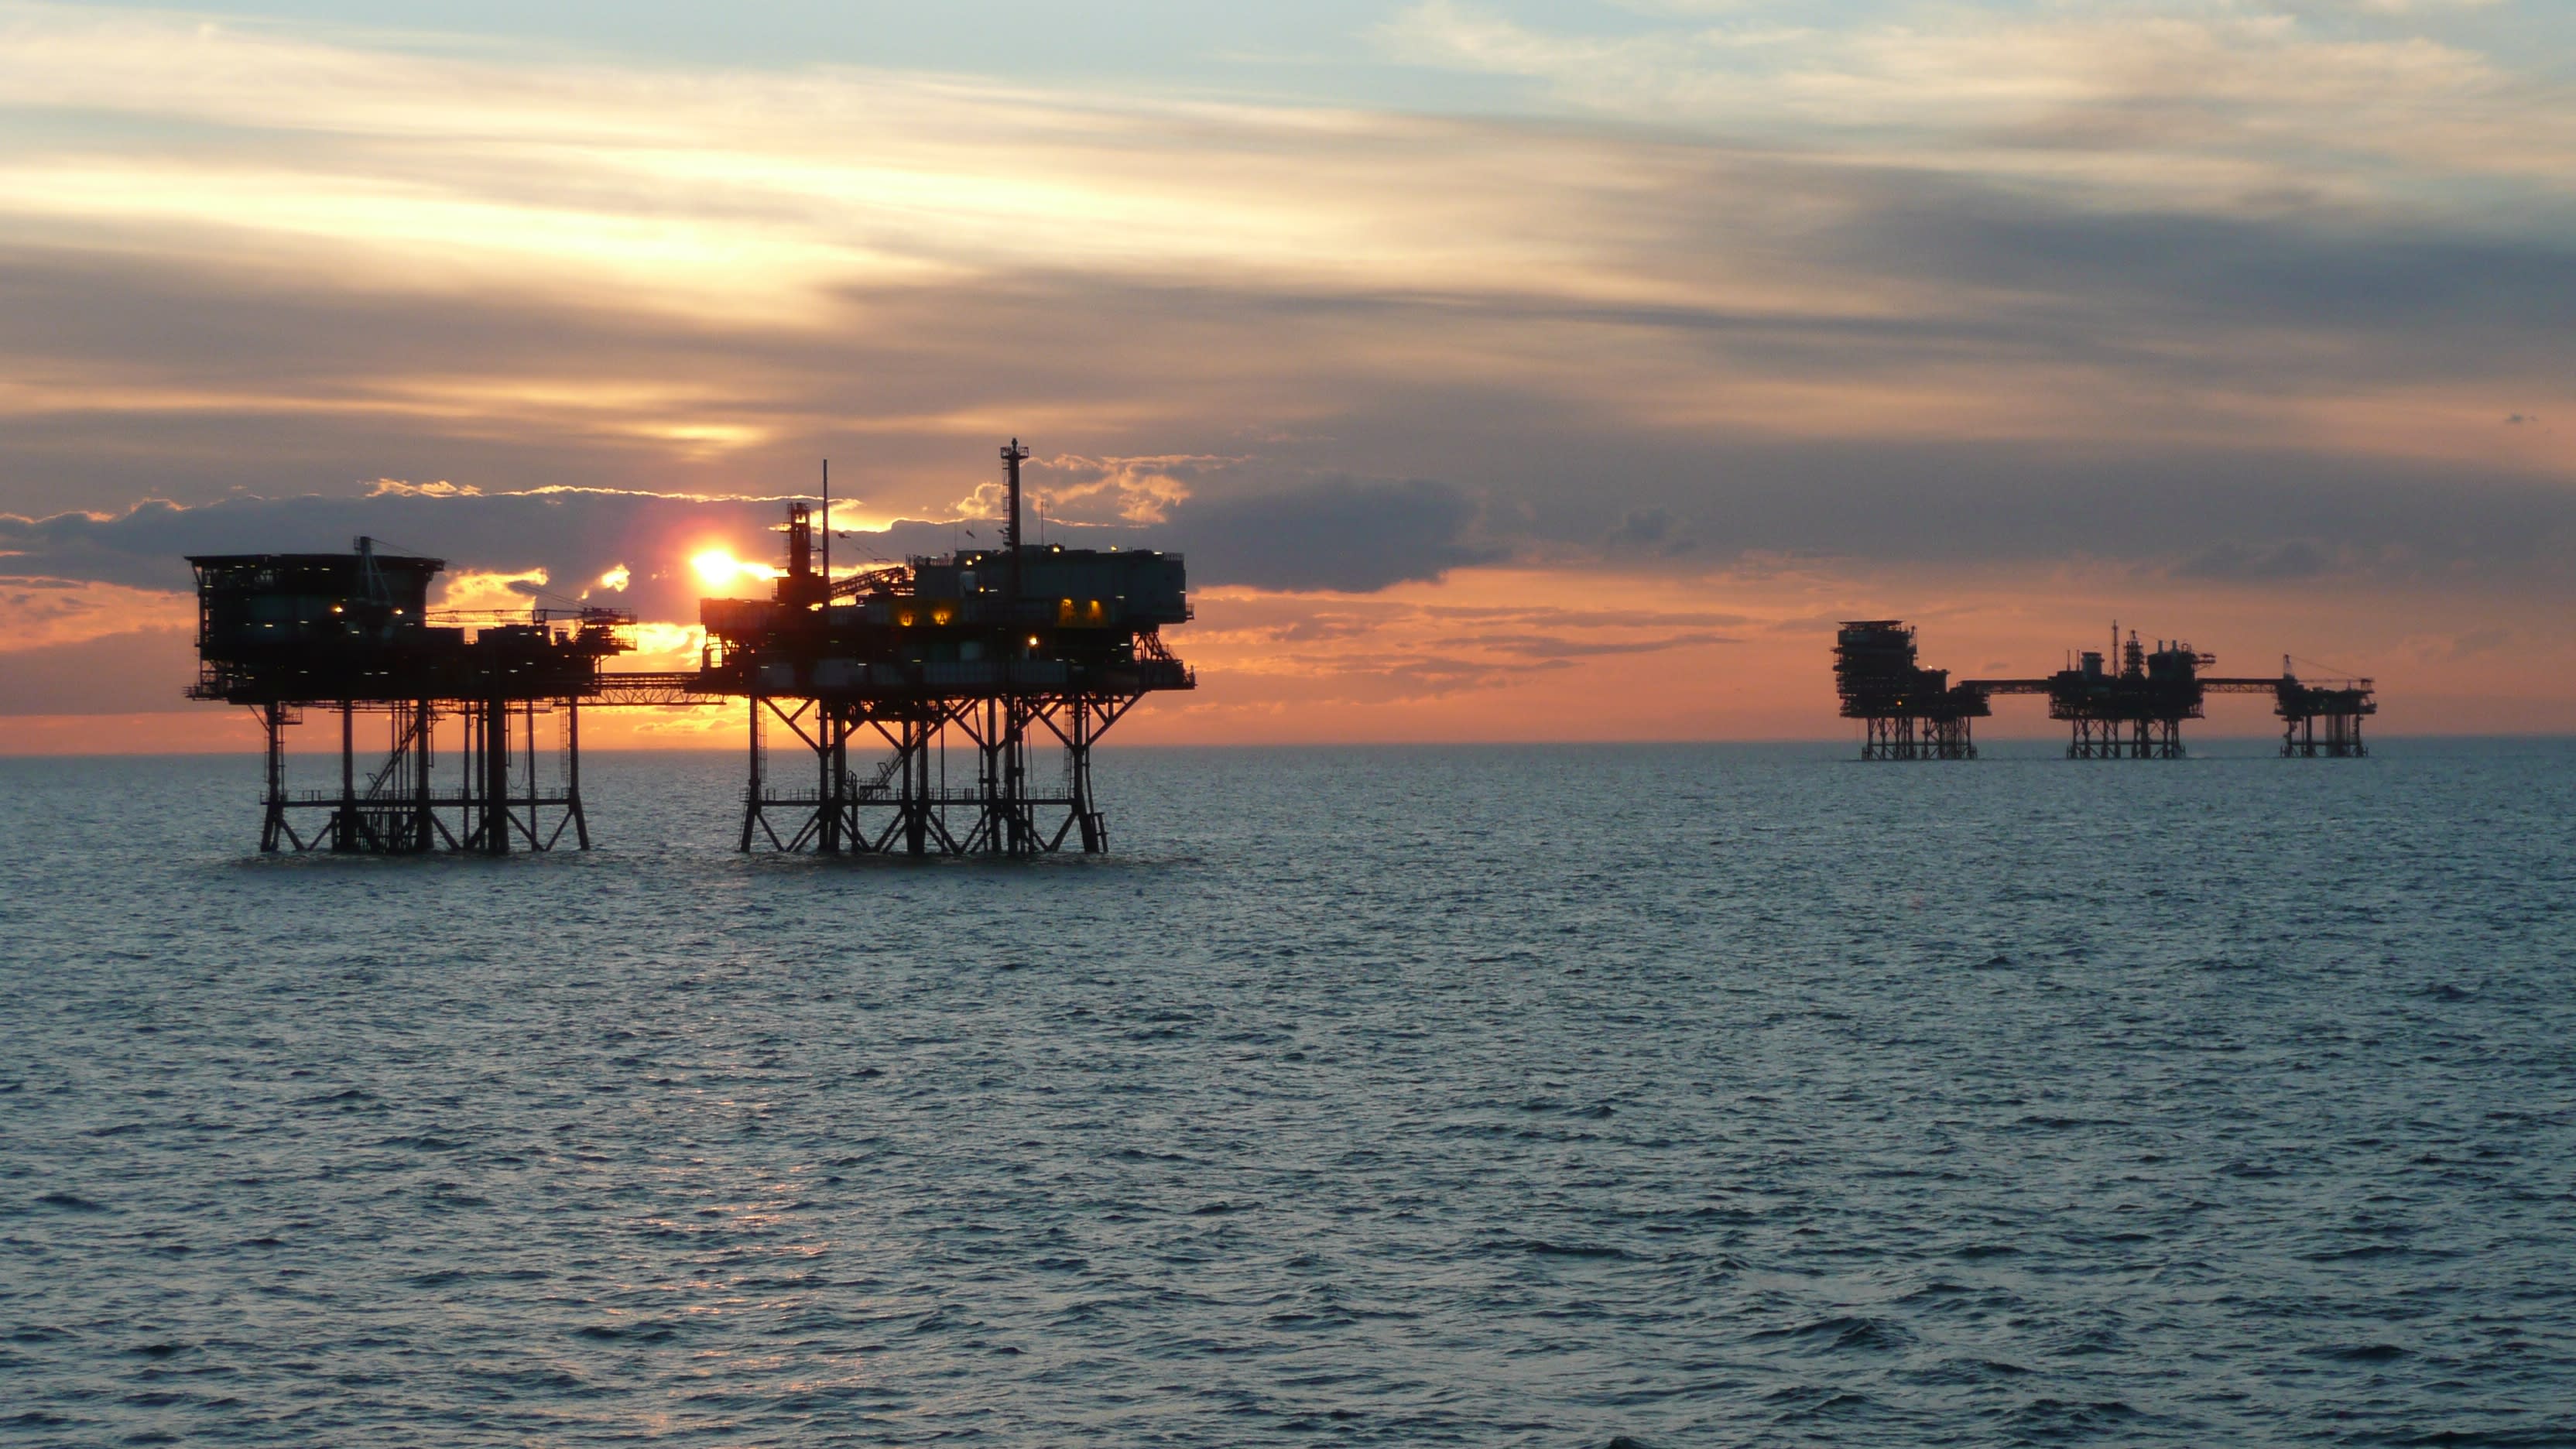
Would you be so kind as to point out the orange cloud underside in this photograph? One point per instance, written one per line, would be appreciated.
(1589, 655)
(1164, 286)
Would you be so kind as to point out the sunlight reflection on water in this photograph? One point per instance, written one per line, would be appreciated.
(1493, 1096)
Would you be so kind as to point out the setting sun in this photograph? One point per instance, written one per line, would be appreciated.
(720, 569)
(1602, 722)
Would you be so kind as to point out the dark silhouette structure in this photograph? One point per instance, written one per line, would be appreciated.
(2340, 705)
(961, 675)
(352, 634)
(958, 674)
(2132, 711)
(1908, 712)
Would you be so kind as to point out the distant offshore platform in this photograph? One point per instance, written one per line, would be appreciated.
(992, 659)
(2132, 712)
(922, 698)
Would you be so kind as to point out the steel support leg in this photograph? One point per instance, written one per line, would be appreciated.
(273, 827)
(494, 830)
(752, 788)
(344, 821)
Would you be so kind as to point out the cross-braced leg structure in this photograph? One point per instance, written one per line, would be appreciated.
(904, 802)
(2092, 739)
(2299, 737)
(2125, 739)
(1890, 737)
(390, 805)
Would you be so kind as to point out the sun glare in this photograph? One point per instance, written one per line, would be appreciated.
(720, 569)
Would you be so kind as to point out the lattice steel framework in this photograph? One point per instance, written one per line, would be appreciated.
(2340, 704)
(2342, 739)
(1917, 737)
(392, 802)
(2125, 739)
(992, 658)
(1907, 712)
(904, 798)
(2124, 703)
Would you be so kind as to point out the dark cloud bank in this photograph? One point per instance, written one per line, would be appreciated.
(1329, 534)
(2191, 518)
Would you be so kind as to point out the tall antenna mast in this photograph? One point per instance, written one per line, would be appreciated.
(827, 533)
(1012, 457)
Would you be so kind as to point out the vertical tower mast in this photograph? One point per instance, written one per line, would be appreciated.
(1011, 459)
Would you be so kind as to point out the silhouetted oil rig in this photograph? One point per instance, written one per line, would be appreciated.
(991, 654)
(353, 633)
(2132, 712)
(1005, 649)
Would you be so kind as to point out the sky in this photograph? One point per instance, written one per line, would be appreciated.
(1505, 371)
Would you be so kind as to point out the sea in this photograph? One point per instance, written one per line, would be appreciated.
(1579, 1096)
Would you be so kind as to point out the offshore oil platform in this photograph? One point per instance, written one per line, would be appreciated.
(2132, 711)
(353, 634)
(998, 656)
(1004, 651)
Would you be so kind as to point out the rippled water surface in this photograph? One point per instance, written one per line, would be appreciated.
(1489, 1096)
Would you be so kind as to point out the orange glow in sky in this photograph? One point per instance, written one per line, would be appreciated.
(721, 570)
(1580, 404)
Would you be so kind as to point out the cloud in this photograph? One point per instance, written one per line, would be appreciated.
(1554, 646)
(1135, 491)
(2402, 7)
(2218, 294)
(1652, 530)
(2477, 642)
(2243, 563)
(1262, 649)
(2201, 106)
(567, 535)
(555, 545)
(1643, 526)
(717, 197)
(1345, 534)
(1399, 647)
(145, 671)
(35, 612)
